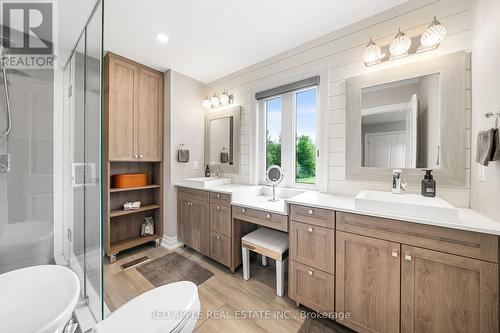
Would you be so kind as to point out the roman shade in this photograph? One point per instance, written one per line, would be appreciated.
(312, 81)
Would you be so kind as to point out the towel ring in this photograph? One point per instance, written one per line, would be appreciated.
(491, 114)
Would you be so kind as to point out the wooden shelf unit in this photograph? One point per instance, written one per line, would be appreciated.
(133, 143)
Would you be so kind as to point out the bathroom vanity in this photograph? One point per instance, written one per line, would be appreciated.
(390, 274)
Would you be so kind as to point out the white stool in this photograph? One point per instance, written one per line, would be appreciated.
(269, 243)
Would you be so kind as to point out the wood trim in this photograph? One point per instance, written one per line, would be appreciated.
(119, 57)
(464, 243)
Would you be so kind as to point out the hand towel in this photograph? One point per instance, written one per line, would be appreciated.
(183, 155)
(495, 149)
(224, 157)
(484, 147)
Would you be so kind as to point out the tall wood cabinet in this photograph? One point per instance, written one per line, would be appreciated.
(133, 143)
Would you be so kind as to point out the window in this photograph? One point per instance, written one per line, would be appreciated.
(273, 132)
(305, 136)
(290, 140)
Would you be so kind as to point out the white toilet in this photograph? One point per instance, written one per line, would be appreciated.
(171, 308)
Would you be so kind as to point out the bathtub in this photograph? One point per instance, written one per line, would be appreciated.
(25, 244)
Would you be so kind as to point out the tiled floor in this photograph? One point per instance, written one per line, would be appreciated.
(229, 303)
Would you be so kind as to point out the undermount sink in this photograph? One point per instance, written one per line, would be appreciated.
(37, 298)
(407, 205)
(206, 182)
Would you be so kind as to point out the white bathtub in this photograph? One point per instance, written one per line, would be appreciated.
(25, 244)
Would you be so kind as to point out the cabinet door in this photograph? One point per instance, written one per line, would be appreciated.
(220, 219)
(447, 293)
(312, 245)
(311, 287)
(183, 221)
(121, 108)
(199, 224)
(368, 283)
(220, 248)
(150, 116)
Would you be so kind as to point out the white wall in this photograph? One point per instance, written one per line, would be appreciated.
(184, 124)
(341, 52)
(485, 98)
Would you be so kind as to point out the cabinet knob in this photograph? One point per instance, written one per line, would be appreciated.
(310, 229)
(218, 195)
(310, 272)
(218, 207)
(311, 211)
(141, 156)
(268, 216)
(136, 156)
(395, 254)
(243, 210)
(218, 237)
(407, 257)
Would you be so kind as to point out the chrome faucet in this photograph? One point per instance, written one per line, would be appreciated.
(399, 183)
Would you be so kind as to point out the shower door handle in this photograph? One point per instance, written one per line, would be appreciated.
(89, 172)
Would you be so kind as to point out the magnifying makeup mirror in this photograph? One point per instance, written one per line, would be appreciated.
(274, 176)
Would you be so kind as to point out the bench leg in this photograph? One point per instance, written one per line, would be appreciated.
(280, 278)
(264, 260)
(245, 258)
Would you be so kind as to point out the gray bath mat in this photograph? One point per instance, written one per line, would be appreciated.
(174, 267)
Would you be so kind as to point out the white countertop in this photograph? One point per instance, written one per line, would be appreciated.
(468, 219)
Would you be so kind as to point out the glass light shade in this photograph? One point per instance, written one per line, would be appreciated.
(206, 103)
(224, 98)
(215, 101)
(433, 35)
(372, 54)
(400, 45)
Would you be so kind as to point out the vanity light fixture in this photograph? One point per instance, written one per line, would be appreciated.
(162, 38)
(206, 103)
(222, 99)
(432, 36)
(372, 54)
(400, 45)
(215, 101)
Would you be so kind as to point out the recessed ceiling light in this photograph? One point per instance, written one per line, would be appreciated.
(162, 37)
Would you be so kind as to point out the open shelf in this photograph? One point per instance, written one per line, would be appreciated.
(121, 212)
(131, 242)
(147, 187)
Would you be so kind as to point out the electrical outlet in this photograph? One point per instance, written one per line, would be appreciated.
(482, 173)
(196, 165)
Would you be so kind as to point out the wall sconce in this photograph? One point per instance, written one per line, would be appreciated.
(222, 99)
(401, 45)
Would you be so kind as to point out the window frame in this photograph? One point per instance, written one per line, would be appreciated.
(289, 139)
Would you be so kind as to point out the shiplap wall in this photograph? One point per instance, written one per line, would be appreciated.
(341, 52)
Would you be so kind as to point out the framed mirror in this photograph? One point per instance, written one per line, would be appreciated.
(222, 138)
(410, 117)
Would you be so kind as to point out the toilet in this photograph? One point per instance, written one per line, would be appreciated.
(171, 308)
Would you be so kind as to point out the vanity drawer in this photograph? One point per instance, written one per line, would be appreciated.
(459, 242)
(271, 220)
(317, 216)
(220, 219)
(311, 287)
(220, 198)
(192, 194)
(220, 248)
(313, 245)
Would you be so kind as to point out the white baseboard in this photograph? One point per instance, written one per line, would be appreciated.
(170, 243)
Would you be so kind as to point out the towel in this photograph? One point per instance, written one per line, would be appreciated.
(183, 155)
(224, 157)
(484, 146)
(495, 149)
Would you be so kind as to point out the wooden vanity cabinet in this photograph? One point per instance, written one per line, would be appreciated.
(389, 282)
(134, 108)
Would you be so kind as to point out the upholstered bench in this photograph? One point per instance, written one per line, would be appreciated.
(268, 243)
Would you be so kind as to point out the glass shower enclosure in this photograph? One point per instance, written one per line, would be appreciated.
(81, 229)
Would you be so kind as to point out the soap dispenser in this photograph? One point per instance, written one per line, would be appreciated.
(428, 184)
